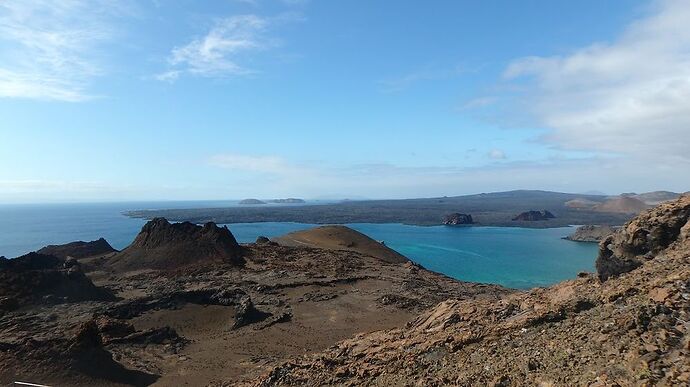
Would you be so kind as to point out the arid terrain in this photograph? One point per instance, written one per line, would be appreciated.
(187, 305)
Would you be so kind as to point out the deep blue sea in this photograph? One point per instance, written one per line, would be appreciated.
(513, 257)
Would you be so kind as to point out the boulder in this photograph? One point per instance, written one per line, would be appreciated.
(246, 313)
(262, 240)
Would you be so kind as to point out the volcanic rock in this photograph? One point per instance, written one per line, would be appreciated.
(246, 313)
(79, 249)
(532, 215)
(457, 219)
(262, 240)
(644, 237)
(164, 246)
(591, 233)
(39, 278)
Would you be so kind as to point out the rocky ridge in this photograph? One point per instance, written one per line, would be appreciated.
(79, 249)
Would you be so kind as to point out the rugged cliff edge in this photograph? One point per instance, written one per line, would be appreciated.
(632, 328)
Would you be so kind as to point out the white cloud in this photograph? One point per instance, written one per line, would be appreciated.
(217, 53)
(628, 97)
(168, 76)
(496, 154)
(47, 47)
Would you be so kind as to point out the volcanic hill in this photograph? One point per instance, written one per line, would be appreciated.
(168, 246)
(341, 238)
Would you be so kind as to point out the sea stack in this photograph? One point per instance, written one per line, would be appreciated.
(456, 219)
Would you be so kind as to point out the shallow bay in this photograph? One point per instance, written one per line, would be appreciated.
(509, 256)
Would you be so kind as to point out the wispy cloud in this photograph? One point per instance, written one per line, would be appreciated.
(220, 52)
(627, 97)
(429, 73)
(49, 47)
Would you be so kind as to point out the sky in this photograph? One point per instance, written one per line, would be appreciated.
(117, 100)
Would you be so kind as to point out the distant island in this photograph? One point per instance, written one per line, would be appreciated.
(287, 201)
(252, 201)
(487, 209)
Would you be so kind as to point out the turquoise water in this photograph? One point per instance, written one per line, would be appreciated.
(514, 257)
(510, 256)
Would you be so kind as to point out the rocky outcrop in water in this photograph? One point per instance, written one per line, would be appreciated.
(79, 249)
(168, 246)
(531, 216)
(455, 219)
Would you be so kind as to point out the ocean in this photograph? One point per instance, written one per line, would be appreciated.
(515, 257)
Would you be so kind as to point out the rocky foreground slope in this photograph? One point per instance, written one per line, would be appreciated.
(627, 325)
(186, 304)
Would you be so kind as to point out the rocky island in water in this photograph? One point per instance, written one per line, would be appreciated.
(187, 304)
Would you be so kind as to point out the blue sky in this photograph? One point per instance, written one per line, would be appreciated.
(147, 100)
